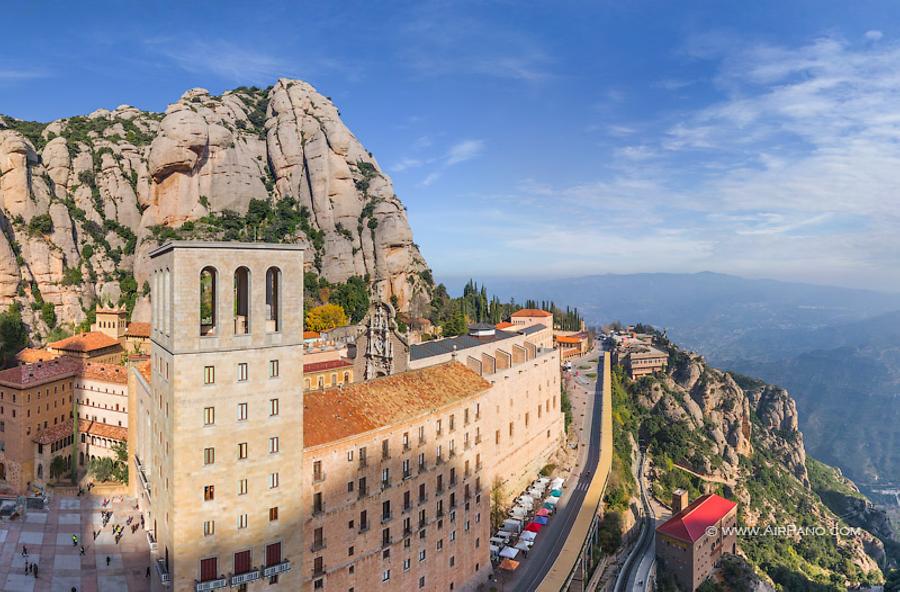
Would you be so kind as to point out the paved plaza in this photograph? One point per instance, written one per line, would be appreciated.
(61, 567)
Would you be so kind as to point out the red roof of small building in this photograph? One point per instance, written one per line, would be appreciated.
(311, 335)
(690, 524)
(503, 325)
(85, 342)
(138, 329)
(30, 355)
(569, 339)
(531, 312)
(29, 375)
(326, 365)
(104, 372)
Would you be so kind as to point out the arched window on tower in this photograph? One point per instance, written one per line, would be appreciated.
(241, 301)
(273, 300)
(208, 280)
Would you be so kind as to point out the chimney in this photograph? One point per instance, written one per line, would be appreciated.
(679, 500)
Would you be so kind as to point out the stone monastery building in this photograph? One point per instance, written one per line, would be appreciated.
(246, 481)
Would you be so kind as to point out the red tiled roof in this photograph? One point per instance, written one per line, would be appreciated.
(531, 312)
(311, 335)
(30, 355)
(333, 414)
(690, 524)
(326, 365)
(105, 372)
(53, 433)
(503, 325)
(29, 375)
(102, 430)
(93, 428)
(569, 339)
(137, 329)
(85, 342)
(144, 369)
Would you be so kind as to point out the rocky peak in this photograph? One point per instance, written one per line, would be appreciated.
(116, 182)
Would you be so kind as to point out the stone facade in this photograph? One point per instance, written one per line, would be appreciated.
(217, 440)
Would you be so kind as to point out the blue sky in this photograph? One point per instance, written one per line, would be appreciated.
(563, 138)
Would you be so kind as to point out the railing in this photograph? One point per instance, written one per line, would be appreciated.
(164, 576)
(277, 568)
(317, 545)
(318, 570)
(318, 477)
(210, 585)
(245, 577)
(145, 484)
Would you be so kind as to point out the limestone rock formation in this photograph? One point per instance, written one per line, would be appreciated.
(83, 200)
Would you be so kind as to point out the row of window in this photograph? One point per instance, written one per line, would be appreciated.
(243, 412)
(243, 520)
(56, 388)
(209, 491)
(209, 316)
(243, 562)
(209, 454)
(243, 372)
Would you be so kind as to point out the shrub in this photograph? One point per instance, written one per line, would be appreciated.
(41, 224)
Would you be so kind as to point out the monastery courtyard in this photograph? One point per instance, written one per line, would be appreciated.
(48, 534)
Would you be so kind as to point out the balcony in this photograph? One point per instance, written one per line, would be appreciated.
(245, 577)
(319, 510)
(386, 484)
(363, 492)
(317, 545)
(318, 477)
(406, 447)
(406, 475)
(386, 542)
(439, 460)
(422, 442)
(364, 527)
(363, 463)
(274, 570)
(385, 518)
(210, 585)
(422, 468)
(318, 571)
(145, 484)
(164, 576)
(439, 490)
(452, 452)
(478, 466)
(478, 439)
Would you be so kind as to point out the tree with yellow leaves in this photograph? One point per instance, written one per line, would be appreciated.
(325, 317)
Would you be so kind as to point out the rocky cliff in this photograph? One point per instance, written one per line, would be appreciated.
(85, 199)
(708, 430)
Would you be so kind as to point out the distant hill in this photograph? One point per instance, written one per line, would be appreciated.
(836, 349)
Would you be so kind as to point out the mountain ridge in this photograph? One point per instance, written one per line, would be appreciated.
(85, 198)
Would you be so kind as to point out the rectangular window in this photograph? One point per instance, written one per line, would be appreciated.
(209, 493)
(209, 375)
(317, 470)
(273, 445)
(242, 372)
(242, 487)
(242, 450)
(273, 407)
(242, 521)
(209, 415)
(209, 569)
(386, 575)
(242, 412)
(209, 528)
(385, 449)
(273, 514)
(209, 456)
(242, 562)
(274, 480)
(318, 506)
(273, 368)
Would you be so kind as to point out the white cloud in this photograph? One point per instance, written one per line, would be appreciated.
(874, 35)
(14, 74)
(465, 150)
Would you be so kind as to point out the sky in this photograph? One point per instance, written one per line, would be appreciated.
(548, 139)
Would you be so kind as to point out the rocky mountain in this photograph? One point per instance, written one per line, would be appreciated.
(709, 430)
(83, 200)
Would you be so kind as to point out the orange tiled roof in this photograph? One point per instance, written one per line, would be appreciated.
(569, 339)
(333, 414)
(30, 355)
(311, 335)
(105, 372)
(326, 365)
(85, 342)
(53, 433)
(29, 375)
(137, 329)
(144, 369)
(531, 312)
(503, 325)
(102, 430)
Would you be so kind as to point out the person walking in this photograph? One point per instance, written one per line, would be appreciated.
(148, 571)
(82, 549)
(34, 570)
(108, 560)
(24, 551)
(74, 540)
